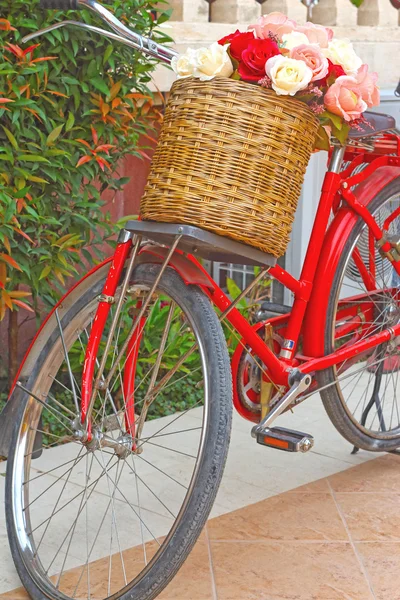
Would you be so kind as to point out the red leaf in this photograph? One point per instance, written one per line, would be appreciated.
(16, 50)
(85, 143)
(30, 49)
(25, 235)
(10, 261)
(105, 148)
(83, 160)
(95, 135)
(6, 25)
(22, 305)
(43, 58)
(5, 100)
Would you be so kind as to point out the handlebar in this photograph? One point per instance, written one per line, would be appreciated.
(122, 33)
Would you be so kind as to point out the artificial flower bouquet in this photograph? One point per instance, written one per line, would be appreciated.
(305, 62)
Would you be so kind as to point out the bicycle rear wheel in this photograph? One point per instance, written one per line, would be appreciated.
(362, 397)
(116, 517)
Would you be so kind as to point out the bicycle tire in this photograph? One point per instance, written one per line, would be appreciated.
(209, 474)
(332, 397)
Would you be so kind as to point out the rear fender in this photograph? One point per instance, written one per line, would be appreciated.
(336, 238)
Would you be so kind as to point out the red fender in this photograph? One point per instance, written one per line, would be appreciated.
(98, 273)
(337, 234)
(190, 270)
(188, 267)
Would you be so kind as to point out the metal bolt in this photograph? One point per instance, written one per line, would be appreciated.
(180, 229)
(306, 445)
(345, 185)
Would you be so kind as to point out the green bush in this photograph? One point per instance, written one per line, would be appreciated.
(70, 109)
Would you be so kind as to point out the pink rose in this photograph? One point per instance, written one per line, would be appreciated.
(275, 23)
(313, 58)
(367, 86)
(344, 98)
(317, 34)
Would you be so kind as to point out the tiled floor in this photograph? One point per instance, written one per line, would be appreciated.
(337, 538)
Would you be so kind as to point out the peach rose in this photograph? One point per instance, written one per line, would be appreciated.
(275, 22)
(367, 86)
(317, 34)
(344, 98)
(313, 58)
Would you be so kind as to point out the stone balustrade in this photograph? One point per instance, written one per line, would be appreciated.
(373, 28)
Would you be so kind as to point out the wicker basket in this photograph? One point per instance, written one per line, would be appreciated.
(231, 159)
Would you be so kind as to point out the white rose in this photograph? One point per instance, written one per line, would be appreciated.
(184, 64)
(288, 75)
(293, 39)
(341, 52)
(212, 62)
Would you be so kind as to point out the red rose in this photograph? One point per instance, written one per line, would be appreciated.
(228, 38)
(335, 71)
(254, 58)
(238, 42)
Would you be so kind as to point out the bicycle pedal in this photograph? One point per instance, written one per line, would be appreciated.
(284, 439)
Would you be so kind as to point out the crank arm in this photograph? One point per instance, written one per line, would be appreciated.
(302, 383)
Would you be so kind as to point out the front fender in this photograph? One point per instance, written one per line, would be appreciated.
(336, 237)
(27, 367)
(188, 267)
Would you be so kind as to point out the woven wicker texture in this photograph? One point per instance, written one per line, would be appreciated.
(231, 159)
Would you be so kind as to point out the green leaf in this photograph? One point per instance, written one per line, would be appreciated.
(233, 289)
(322, 139)
(54, 135)
(46, 271)
(107, 53)
(70, 122)
(100, 85)
(335, 119)
(341, 134)
(357, 2)
(35, 179)
(11, 138)
(33, 158)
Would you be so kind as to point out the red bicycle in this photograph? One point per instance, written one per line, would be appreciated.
(118, 426)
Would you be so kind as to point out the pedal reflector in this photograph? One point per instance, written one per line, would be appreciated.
(285, 439)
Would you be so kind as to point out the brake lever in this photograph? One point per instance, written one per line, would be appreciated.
(144, 45)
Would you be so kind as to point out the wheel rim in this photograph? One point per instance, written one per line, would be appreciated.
(369, 394)
(157, 516)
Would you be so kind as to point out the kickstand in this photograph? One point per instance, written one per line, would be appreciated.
(375, 397)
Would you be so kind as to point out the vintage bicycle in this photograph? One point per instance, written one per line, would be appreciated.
(118, 424)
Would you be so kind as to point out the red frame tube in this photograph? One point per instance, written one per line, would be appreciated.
(132, 353)
(121, 254)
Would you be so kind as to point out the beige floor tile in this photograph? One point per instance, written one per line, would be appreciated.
(193, 580)
(382, 562)
(288, 571)
(301, 516)
(314, 487)
(371, 517)
(379, 475)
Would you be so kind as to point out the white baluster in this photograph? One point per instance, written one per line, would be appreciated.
(368, 13)
(235, 11)
(325, 13)
(346, 14)
(269, 6)
(190, 11)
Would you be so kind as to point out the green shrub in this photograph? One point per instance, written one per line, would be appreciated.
(70, 109)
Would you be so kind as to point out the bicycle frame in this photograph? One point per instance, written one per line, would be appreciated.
(336, 188)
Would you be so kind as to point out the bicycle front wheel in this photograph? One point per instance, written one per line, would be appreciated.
(361, 395)
(116, 517)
